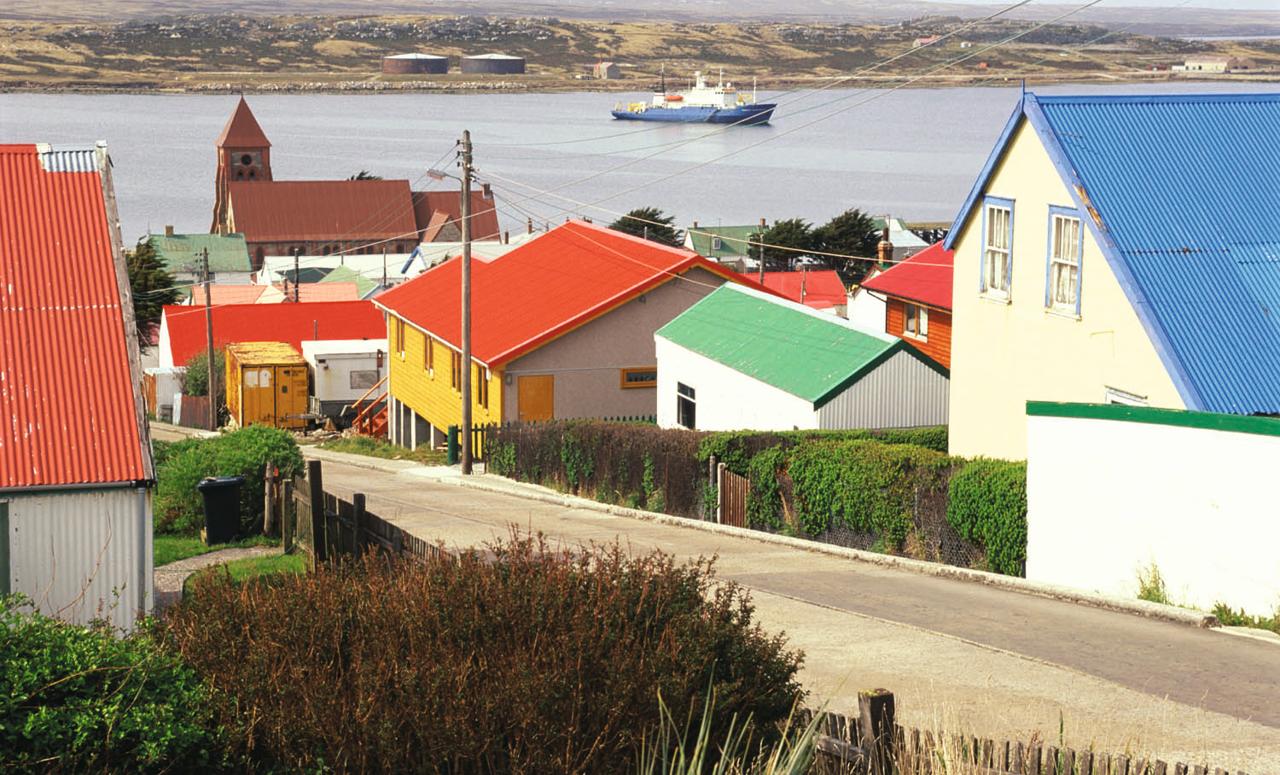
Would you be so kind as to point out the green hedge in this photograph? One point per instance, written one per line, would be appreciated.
(245, 452)
(736, 448)
(987, 503)
(81, 699)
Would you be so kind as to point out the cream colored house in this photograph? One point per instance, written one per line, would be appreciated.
(1115, 250)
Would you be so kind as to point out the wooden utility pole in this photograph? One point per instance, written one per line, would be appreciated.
(762, 230)
(466, 303)
(208, 329)
(297, 260)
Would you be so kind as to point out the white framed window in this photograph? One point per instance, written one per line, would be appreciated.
(915, 321)
(1124, 397)
(717, 243)
(686, 406)
(1066, 248)
(997, 247)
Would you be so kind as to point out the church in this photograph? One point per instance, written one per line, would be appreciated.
(321, 217)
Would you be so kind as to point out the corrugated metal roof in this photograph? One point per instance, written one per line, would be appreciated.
(1187, 187)
(265, 354)
(733, 240)
(58, 158)
(808, 354)
(67, 411)
(429, 205)
(925, 278)
(821, 289)
(242, 130)
(322, 210)
(182, 252)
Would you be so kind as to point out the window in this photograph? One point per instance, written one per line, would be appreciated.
(915, 322)
(455, 370)
(1066, 246)
(1118, 396)
(686, 408)
(482, 386)
(997, 248)
(363, 380)
(644, 377)
(428, 355)
(717, 243)
(400, 337)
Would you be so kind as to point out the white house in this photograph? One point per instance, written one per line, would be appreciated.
(75, 457)
(741, 359)
(344, 370)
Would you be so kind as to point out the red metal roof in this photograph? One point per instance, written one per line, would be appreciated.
(291, 323)
(322, 210)
(484, 215)
(67, 411)
(924, 277)
(242, 130)
(822, 288)
(542, 289)
(227, 294)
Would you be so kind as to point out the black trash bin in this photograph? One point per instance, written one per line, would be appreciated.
(221, 508)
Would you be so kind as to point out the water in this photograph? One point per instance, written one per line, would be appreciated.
(912, 153)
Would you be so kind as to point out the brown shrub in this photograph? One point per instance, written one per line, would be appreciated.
(526, 659)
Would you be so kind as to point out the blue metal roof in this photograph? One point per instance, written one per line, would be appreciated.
(1185, 192)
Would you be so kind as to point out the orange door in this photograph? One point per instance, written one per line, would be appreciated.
(291, 396)
(535, 398)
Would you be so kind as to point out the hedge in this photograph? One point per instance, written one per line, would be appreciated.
(987, 503)
(736, 448)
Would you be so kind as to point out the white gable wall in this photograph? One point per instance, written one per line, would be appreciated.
(902, 392)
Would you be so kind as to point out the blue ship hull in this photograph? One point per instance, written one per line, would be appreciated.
(746, 115)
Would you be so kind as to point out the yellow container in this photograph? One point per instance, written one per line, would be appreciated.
(266, 385)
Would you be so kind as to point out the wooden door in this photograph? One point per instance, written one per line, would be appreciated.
(257, 397)
(535, 398)
(291, 396)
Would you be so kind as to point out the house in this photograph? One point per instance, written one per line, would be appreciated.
(183, 257)
(1213, 64)
(562, 327)
(927, 40)
(1118, 250)
(745, 360)
(725, 244)
(182, 328)
(280, 218)
(394, 268)
(905, 241)
(917, 295)
(606, 71)
(865, 310)
(75, 455)
(820, 289)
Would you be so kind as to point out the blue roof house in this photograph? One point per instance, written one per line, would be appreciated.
(1118, 249)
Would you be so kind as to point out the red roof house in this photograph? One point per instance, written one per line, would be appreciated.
(182, 328)
(917, 293)
(820, 289)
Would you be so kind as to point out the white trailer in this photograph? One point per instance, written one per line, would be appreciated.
(342, 371)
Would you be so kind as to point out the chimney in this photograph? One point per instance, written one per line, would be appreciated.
(884, 251)
(528, 224)
(506, 238)
(695, 225)
(168, 230)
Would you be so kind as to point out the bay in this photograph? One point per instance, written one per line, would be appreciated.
(911, 153)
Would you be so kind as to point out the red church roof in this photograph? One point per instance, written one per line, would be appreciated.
(66, 383)
(323, 210)
(822, 289)
(242, 130)
(924, 278)
(286, 322)
(542, 289)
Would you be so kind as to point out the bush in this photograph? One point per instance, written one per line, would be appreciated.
(244, 452)
(987, 503)
(525, 659)
(80, 699)
(764, 499)
(736, 448)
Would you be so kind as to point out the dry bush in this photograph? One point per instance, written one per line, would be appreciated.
(521, 659)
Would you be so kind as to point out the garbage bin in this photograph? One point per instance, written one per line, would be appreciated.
(221, 508)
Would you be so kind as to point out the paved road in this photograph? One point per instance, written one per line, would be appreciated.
(998, 662)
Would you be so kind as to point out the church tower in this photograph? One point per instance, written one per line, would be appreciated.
(244, 154)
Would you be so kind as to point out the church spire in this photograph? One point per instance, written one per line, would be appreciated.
(242, 130)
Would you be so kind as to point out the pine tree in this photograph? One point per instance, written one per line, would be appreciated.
(793, 233)
(851, 233)
(649, 223)
(152, 288)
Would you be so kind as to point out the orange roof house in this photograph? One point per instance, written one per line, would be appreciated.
(820, 289)
(562, 327)
(917, 294)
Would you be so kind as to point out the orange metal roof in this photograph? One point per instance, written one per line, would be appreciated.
(227, 294)
(542, 289)
(242, 130)
(924, 277)
(484, 214)
(313, 292)
(66, 387)
(321, 210)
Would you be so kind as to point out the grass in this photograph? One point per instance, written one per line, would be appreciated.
(369, 447)
(1151, 586)
(1230, 617)
(169, 548)
(253, 568)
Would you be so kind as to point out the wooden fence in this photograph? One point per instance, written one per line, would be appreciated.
(731, 497)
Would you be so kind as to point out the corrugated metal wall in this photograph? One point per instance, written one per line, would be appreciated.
(83, 554)
(902, 392)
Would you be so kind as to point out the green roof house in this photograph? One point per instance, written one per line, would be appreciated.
(741, 359)
(182, 254)
(719, 243)
(365, 286)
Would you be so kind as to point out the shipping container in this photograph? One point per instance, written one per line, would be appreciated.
(267, 385)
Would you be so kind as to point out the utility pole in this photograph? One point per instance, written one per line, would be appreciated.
(384, 268)
(208, 329)
(466, 303)
(762, 230)
(296, 276)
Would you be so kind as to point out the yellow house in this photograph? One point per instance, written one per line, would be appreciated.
(562, 327)
(1115, 250)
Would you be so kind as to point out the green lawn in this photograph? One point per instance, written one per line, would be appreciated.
(364, 445)
(254, 568)
(171, 548)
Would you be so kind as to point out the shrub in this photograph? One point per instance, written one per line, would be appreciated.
(80, 699)
(987, 503)
(524, 659)
(764, 499)
(736, 448)
(244, 452)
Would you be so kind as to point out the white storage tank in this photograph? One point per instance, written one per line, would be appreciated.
(493, 64)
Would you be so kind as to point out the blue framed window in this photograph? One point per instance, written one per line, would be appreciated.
(996, 276)
(1064, 260)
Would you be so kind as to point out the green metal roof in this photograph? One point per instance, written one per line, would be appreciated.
(181, 252)
(733, 240)
(808, 354)
(346, 274)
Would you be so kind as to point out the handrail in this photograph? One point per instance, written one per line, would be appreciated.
(369, 392)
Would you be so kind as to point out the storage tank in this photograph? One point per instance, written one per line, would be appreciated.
(415, 64)
(493, 64)
(267, 385)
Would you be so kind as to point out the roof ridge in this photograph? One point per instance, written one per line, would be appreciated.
(1067, 99)
(681, 251)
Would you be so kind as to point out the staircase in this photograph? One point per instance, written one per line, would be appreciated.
(371, 412)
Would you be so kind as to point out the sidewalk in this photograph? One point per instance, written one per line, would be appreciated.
(170, 578)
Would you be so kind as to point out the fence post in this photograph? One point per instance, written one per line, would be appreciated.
(269, 500)
(286, 519)
(357, 525)
(316, 485)
(720, 493)
(875, 730)
(451, 446)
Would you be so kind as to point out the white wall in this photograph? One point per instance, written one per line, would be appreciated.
(866, 311)
(82, 554)
(333, 377)
(1106, 498)
(726, 399)
(901, 392)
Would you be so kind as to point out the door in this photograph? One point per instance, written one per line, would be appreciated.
(535, 398)
(291, 396)
(257, 396)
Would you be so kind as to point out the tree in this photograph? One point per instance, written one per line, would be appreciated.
(649, 223)
(793, 233)
(195, 382)
(152, 288)
(365, 175)
(851, 233)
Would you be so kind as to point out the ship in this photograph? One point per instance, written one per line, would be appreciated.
(702, 104)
